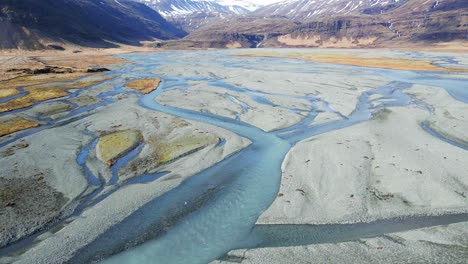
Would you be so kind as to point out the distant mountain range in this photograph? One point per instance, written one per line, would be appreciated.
(307, 9)
(190, 15)
(335, 23)
(31, 24)
(178, 8)
(232, 23)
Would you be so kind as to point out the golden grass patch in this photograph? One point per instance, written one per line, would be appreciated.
(373, 62)
(30, 80)
(56, 108)
(15, 125)
(168, 151)
(77, 84)
(144, 86)
(115, 145)
(8, 92)
(42, 92)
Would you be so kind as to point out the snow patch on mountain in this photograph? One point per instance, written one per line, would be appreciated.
(180, 8)
(306, 9)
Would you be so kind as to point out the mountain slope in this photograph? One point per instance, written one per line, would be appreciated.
(413, 21)
(240, 31)
(245, 4)
(313, 9)
(95, 23)
(190, 15)
(178, 8)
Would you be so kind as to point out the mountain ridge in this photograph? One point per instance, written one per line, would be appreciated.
(412, 21)
(312, 9)
(179, 8)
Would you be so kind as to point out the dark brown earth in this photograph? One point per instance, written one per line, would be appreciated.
(30, 199)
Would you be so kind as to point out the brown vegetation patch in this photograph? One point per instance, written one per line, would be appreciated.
(167, 151)
(376, 62)
(8, 92)
(15, 125)
(60, 65)
(115, 145)
(30, 80)
(42, 92)
(373, 62)
(144, 86)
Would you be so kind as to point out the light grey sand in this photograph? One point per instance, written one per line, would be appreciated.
(445, 244)
(384, 168)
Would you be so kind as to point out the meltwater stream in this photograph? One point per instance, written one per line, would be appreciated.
(215, 210)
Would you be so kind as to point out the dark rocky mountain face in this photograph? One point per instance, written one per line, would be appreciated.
(433, 21)
(94, 23)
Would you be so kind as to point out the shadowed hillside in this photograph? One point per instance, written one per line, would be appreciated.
(94, 23)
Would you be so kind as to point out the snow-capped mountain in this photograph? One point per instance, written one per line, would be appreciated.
(178, 8)
(336, 23)
(245, 4)
(190, 15)
(311, 9)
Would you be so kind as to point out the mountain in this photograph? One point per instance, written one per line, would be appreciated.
(364, 24)
(241, 31)
(36, 24)
(413, 21)
(313, 9)
(245, 4)
(31, 24)
(190, 15)
(178, 8)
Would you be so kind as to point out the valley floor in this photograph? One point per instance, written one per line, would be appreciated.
(281, 155)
